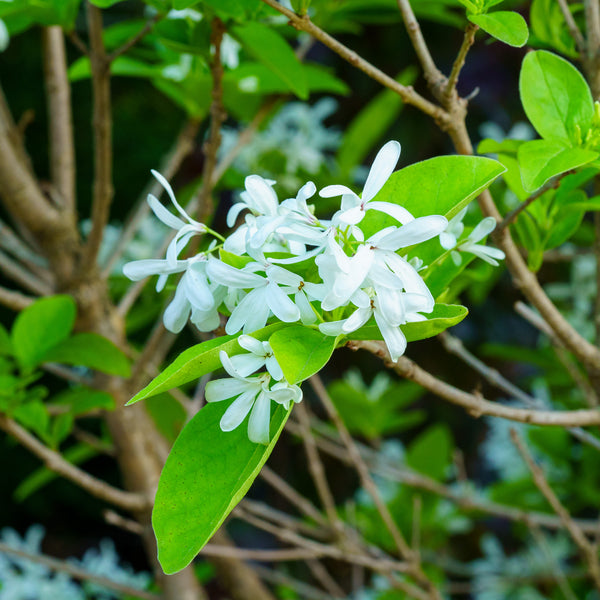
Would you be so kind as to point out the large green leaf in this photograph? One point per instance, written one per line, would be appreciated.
(197, 361)
(206, 474)
(442, 317)
(90, 350)
(549, 26)
(5, 343)
(504, 25)
(431, 452)
(301, 351)
(270, 48)
(41, 326)
(555, 97)
(443, 185)
(541, 160)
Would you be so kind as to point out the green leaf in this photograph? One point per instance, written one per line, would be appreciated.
(105, 3)
(549, 27)
(5, 343)
(168, 415)
(82, 400)
(367, 128)
(123, 66)
(430, 453)
(442, 317)
(301, 351)
(206, 474)
(34, 416)
(443, 185)
(197, 361)
(540, 160)
(41, 326)
(90, 350)
(270, 48)
(504, 25)
(556, 97)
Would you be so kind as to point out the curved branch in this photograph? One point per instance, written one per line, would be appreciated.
(475, 404)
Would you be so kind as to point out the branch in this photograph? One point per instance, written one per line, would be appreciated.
(102, 131)
(572, 26)
(63, 566)
(467, 42)
(23, 277)
(181, 149)
(592, 25)
(513, 214)
(146, 29)
(14, 300)
(588, 551)
(58, 94)
(474, 404)
(407, 93)
(217, 118)
(56, 463)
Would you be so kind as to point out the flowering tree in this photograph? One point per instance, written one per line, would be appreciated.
(303, 265)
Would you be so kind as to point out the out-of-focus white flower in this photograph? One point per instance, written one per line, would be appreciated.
(486, 253)
(450, 235)
(259, 355)
(253, 395)
(354, 207)
(230, 52)
(4, 36)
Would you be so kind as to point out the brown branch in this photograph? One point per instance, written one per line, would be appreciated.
(592, 26)
(468, 40)
(19, 274)
(407, 93)
(432, 74)
(14, 300)
(588, 551)
(217, 118)
(333, 446)
(317, 471)
(143, 32)
(78, 42)
(60, 119)
(513, 214)
(474, 404)
(367, 482)
(56, 463)
(572, 26)
(62, 566)
(102, 131)
(171, 163)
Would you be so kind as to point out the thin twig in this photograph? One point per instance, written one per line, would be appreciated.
(62, 566)
(56, 463)
(572, 26)
(515, 212)
(60, 117)
(468, 40)
(14, 300)
(78, 42)
(113, 518)
(475, 404)
(316, 468)
(19, 274)
(321, 574)
(407, 93)
(102, 130)
(588, 551)
(453, 345)
(145, 30)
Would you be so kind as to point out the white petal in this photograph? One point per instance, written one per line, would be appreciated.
(484, 227)
(456, 258)
(207, 320)
(415, 232)
(352, 216)
(238, 410)
(447, 240)
(394, 210)
(164, 214)
(281, 305)
(252, 311)
(230, 276)
(222, 389)
(274, 368)
(331, 191)
(247, 342)
(233, 213)
(263, 196)
(197, 289)
(383, 166)
(357, 319)
(307, 314)
(390, 303)
(228, 365)
(283, 276)
(305, 192)
(178, 312)
(169, 190)
(393, 337)
(332, 328)
(260, 419)
(246, 364)
(138, 269)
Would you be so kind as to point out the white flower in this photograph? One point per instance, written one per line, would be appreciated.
(260, 355)
(450, 236)
(265, 295)
(486, 253)
(354, 207)
(253, 396)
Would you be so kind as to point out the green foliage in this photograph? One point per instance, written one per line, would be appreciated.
(300, 351)
(549, 27)
(206, 474)
(507, 26)
(20, 15)
(431, 452)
